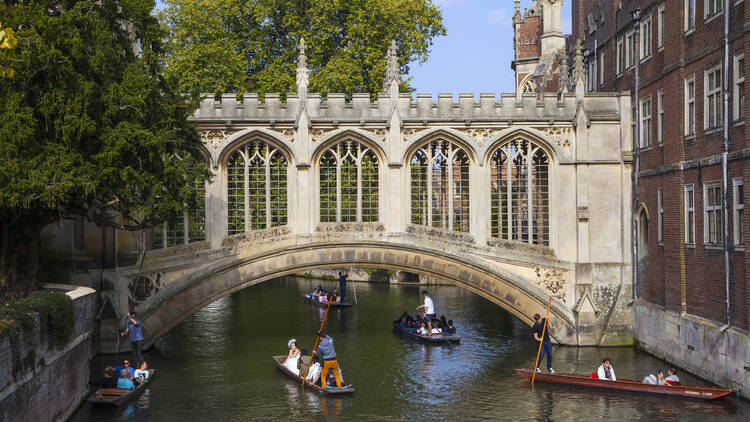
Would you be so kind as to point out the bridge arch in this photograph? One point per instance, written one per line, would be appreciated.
(205, 284)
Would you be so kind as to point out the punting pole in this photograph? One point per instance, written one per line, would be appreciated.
(544, 329)
(317, 339)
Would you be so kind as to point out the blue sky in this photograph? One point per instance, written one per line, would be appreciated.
(476, 54)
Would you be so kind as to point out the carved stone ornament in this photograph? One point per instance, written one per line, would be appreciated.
(553, 280)
(215, 137)
(379, 134)
(408, 134)
(287, 134)
(480, 135)
(561, 135)
(318, 134)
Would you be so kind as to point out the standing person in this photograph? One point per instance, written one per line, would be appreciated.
(342, 284)
(133, 327)
(429, 310)
(330, 363)
(606, 371)
(546, 342)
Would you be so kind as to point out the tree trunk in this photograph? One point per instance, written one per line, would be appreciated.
(19, 256)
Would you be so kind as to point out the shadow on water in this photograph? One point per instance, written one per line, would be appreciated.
(216, 365)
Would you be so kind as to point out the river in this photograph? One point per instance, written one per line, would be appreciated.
(216, 366)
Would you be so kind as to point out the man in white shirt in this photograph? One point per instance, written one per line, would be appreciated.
(429, 310)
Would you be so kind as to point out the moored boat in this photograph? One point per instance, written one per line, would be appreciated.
(698, 392)
(436, 338)
(119, 396)
(325, 304)
(332, 391)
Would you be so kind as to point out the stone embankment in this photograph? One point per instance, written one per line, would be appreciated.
(52, 380)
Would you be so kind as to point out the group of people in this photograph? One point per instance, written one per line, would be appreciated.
(427, 323)
(541, 333)
(123, 376)
(320, 295)
(321, 369)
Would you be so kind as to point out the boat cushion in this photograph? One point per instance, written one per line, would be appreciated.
(593, 375)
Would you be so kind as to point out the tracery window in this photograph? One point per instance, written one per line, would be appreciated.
(348, 183)
(187, 228)
(439, 185)
(256, 187)
(519, 187)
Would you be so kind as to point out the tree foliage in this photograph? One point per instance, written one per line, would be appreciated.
(251, 46)
(89, 126)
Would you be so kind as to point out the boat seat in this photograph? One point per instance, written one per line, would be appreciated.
(593, 375)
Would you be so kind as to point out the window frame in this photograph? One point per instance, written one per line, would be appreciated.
(601, 68)
(738, 229)
(689, 18)
(660, 215)
(661, 17)
(718, 4)
(716, 210)
(620, 56)
(645, 46)
(689, 210)
(646, 122)
(716, 92)
(739, 78)
(690, 101)
(660, 117)
(630, 50)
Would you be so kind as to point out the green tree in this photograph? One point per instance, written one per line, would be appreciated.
(89, 126)
(251, 46)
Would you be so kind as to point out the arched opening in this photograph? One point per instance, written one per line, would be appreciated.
(439, 186)
(519, 189)
(191, 225)
(348, 183)
(256, 187)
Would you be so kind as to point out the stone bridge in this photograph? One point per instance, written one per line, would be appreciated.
(516, 198)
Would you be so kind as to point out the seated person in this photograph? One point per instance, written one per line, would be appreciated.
(109, 379)
(436, 330)
(451, 329)
(422, 329)
(401, 321)
(671, 379)
(322, 298)
(141, 374)
(124, 380)
(125, 365)
(334, 297)
(606, 371)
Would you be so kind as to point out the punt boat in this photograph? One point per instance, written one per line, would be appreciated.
(698, 392)
(119, 396)
(438, 338)
(332, 391)
(325, 304)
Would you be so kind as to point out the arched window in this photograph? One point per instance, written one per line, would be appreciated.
(348, 183)
(439, 185)
(187, 228)
(528, 86)
(256, 187)
(519, 188)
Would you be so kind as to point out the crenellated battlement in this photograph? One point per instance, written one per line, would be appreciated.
(465, 107)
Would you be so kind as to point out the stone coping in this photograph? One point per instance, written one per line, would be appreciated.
(73, 292)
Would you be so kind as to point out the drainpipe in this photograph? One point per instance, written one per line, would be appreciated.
(637, 141)
(724, 164)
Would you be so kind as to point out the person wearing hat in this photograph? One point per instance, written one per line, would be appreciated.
(328, 354)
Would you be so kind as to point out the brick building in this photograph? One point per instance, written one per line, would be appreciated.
(681, 311)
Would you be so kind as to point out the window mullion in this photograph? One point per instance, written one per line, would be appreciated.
(359, 183)
(268, 187)
(338, 184)
(248, 212)
(529, 202)
(509, 195)
(450, 186)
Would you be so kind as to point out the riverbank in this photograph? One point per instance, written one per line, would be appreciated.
(43, 381)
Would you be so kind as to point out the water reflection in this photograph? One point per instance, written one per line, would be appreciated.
(216, 365)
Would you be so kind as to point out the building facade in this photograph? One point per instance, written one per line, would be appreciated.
(693, 278)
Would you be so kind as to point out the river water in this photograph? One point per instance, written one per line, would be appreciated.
(216, 366)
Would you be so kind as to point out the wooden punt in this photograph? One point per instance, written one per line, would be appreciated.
(119, 396)
(698, 392)
(325, 304)
(279, 361)
(438, 338)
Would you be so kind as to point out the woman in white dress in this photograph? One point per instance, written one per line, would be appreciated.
(291, 360)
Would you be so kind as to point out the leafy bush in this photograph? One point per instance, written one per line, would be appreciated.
(55, 312)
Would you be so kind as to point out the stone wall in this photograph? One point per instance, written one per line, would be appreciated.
(694, 344)
(373, 275)
(55, 379)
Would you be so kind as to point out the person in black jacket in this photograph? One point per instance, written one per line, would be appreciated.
(108, 380)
